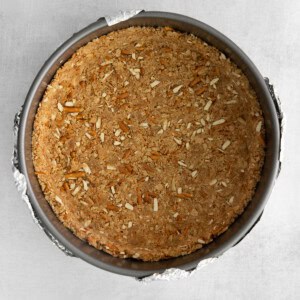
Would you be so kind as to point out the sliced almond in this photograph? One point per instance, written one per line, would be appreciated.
(155, 204)
(58, 200)
(85, 185)
(102, 138)
(60, 107)
(214, 81)
(208, 105)
(194, 173)
(181, 163)
(128, 206)
(226, 144)
(177, 141)
(77, 189)
(144, 125)
(154, 83)
(98, 123)
(113, 191)
(218, 122)
(86, 168)
(258, 126)
(177, 89)
(213, 182)
(111, 168)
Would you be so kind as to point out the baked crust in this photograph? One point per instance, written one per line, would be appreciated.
(148, 143)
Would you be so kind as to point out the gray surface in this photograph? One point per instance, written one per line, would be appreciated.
(266, 264)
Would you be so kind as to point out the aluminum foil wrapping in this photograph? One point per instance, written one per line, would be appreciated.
(175, 274)
(281, 120)
(121, 16)
(21, 185)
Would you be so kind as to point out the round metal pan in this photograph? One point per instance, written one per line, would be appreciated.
(237, 230)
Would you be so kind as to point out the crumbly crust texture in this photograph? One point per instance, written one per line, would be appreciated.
(148, 143)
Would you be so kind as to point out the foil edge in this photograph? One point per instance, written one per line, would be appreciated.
(176, 274)
(281, 119)
(121, 16)
(21, 185)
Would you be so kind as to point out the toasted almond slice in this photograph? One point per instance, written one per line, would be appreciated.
(39, 173)
(111, 206)
(123, 95)
(200, 241)
(126, 51)
(200, 91)
(75, 175)
(184, 196)
(124, 127)
(195, 81)
(168, 28)
(73, 109)
(69, 103)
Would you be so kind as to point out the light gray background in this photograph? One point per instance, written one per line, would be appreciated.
(265, 265)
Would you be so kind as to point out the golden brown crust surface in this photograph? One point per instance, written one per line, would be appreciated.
(148, 143)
